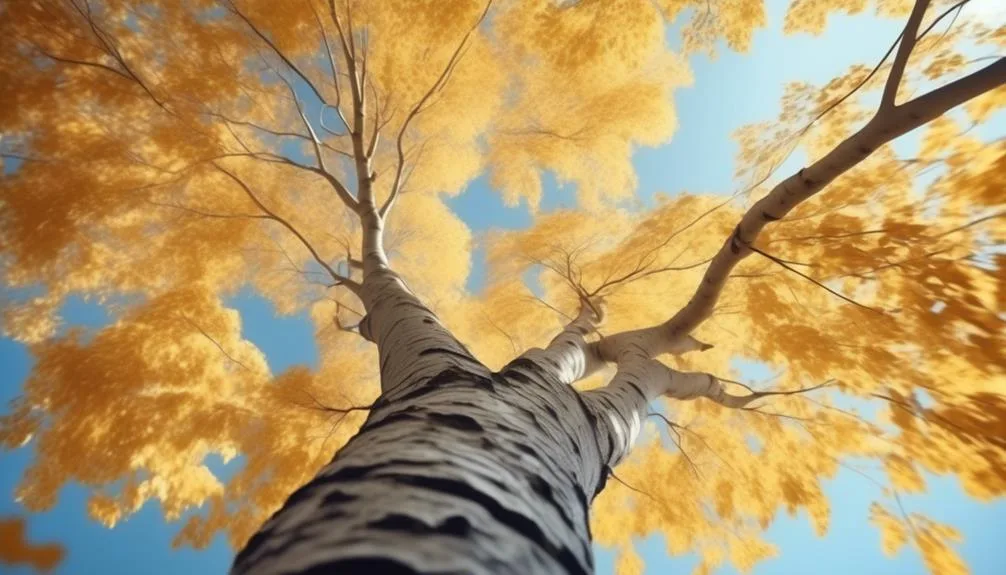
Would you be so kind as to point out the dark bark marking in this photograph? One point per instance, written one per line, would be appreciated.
(360, 566)
(455, 525)
(806, 181)
(456, 421)
(519, 523)
(520, 377)
(735, 240)
(521, 363)
(540, 486)
(638, 389)
(445, 351)
(551, 411)
(407, 414)
(446, 376)
(354, 472)
(544, 490)
(527, 449)
(337, 497)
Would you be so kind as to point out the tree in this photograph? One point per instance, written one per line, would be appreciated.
(165, 154)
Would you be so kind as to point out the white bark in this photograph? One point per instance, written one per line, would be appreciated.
(412, 344)
(467, 472)
(459, 469)
(890, 122)
(623, 404)
(573, 358)
(569, 355)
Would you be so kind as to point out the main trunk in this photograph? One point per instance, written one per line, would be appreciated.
(466, 471)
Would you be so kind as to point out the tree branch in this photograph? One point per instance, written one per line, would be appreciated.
(335, 72)
(276, 133)
(275, 49)
(908, 39)
(437, 86)
(216, 343)
(338, 278)
(568, 353)
(789, 267)
(98, 65)
(885, 126)
(108, 46)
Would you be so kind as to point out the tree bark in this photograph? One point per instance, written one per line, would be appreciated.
(462, 471)
(457, 469)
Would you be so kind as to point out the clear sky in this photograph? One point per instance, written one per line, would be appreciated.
(731, 91)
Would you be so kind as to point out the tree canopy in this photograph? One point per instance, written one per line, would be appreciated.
(160, 156)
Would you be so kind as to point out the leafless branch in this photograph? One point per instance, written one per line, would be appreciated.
(908, 39)
(788, 267)
(216, 343)
(437, 86)
(676, 438)
(338, 278)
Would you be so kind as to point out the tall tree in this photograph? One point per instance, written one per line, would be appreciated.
(164, 154)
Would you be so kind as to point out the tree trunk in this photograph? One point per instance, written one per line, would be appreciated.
(466, 472)
(456, 470)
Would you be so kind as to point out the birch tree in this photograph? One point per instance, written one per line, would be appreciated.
(163, 155)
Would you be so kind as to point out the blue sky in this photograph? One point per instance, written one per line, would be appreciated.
(728, 92)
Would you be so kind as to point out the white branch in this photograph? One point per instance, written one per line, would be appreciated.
(885, 126)
(568, 355)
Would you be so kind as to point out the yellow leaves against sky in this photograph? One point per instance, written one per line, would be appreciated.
(120, 195)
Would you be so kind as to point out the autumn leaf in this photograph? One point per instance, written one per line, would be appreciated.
(161, 157)
(16, 550)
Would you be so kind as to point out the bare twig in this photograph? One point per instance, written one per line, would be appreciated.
(437, 86)
(338, 278)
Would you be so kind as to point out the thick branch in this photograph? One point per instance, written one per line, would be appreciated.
(693, 385)
(785, 196)
(908, 39)
(568, 354)
(621, 406)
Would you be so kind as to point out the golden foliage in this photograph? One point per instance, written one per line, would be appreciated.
(15, 550)
(116, 191)
(893, 532)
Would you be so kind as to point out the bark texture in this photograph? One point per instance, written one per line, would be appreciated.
(458, 471)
